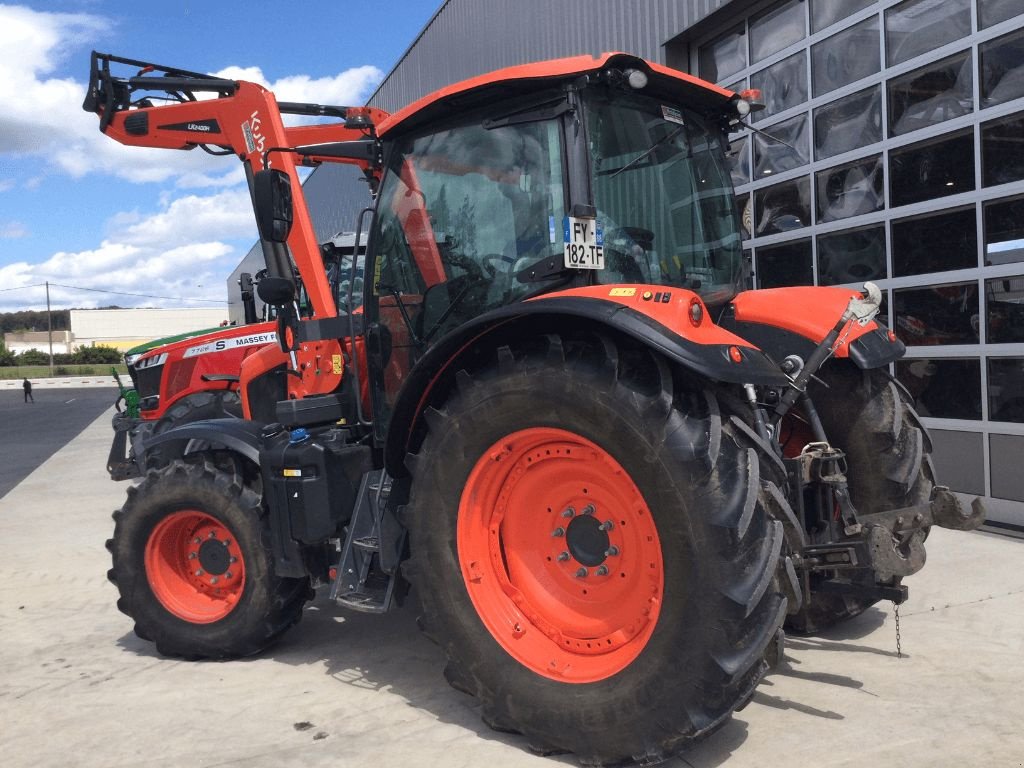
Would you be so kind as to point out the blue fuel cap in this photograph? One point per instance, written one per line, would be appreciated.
(298, 435)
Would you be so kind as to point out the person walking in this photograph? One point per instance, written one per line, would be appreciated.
(27, 386)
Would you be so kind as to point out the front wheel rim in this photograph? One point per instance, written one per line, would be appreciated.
(560, 555)
(195, 567)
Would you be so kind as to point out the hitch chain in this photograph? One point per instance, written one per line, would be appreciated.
(899, 646)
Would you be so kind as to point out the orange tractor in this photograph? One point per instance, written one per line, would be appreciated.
(609, 474)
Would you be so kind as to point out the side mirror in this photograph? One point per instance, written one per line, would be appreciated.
(272, 202)
(276, 291)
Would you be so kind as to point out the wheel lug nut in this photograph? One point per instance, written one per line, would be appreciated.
(197, 540)
(213, 535)
(199, 572)
(558, 532)
(569, 512)
(227, 575)
(588, 510)
(607, 525)
(611, 551)
(226, 542)
(602, 570)
(213, 580)
(581, 573)
(191, 555)
(232, 559)
(563, 557)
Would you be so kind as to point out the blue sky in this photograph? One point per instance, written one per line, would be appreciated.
(78, 209)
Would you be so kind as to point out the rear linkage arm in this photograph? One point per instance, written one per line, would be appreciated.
(887, 544)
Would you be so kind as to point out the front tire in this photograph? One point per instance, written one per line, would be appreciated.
(637, 623)
(193, 566)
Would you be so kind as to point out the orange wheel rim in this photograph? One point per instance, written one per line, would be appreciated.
(195, 567)
(560, 555)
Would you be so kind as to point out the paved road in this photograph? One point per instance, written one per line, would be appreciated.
(30, 433)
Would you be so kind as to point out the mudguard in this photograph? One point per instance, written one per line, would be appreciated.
(238, 435)
(785, 321)
(652, 315)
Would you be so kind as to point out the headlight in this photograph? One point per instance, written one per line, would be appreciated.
(129, 360)
(150, 362)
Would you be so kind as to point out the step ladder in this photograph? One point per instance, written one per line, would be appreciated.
(368, 567)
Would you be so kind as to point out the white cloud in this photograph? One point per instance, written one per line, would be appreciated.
(185, 249)
(188, 245)
(225, 215)
(345, 89)
(11, 230)
(43, 116)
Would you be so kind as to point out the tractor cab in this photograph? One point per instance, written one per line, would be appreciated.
(527, 189)
(592, 183)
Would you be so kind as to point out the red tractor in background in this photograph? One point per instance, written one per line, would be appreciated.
(609, 474)
(195, 376)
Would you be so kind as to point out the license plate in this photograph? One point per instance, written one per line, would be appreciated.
(584, 243)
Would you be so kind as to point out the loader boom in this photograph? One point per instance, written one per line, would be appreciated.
(173, 108)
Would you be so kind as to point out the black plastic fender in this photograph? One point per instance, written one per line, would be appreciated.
(872, 350)
(238, 435)
(444, 358)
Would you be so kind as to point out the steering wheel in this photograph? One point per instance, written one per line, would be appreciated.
(468, 265)
(490, 262)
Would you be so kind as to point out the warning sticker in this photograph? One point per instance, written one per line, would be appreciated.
(584, 243)
(672, 114)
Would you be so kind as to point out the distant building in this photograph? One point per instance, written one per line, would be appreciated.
(126, 328)
(23, 341)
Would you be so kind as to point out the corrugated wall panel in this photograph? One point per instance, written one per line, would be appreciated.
(470, 37)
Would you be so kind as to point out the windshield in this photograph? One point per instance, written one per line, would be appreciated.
(663, 196)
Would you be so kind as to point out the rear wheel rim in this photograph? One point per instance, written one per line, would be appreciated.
(195, 567)
(560, 555)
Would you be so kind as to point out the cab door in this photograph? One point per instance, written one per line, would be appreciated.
(461, 211)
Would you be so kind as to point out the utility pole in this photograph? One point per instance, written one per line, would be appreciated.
(49, 325)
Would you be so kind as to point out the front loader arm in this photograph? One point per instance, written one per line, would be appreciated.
(176, 109)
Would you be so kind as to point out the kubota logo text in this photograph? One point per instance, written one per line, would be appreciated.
(252, 130)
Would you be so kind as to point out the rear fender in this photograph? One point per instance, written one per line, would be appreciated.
(787, 321)
(662, 324)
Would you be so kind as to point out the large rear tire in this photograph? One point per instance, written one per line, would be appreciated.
(591, 548)
(193, 565)
(871, 419)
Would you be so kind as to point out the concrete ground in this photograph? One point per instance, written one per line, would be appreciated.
(77, 688)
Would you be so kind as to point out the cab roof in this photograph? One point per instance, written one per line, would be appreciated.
(500, 85)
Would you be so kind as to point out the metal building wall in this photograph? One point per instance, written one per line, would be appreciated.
(125, 328)
(470, 37)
